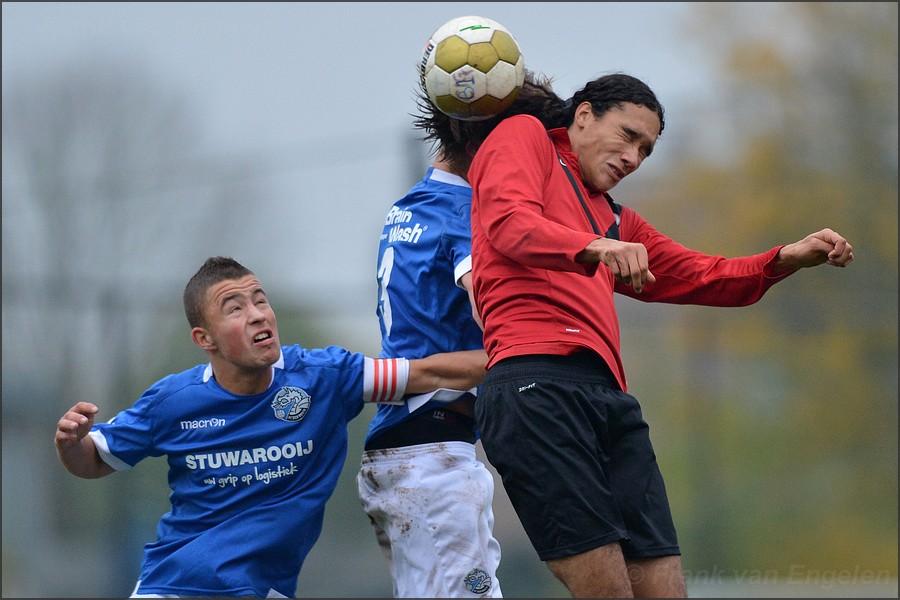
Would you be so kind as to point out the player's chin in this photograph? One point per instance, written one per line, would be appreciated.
(607, 183)
(267, 354)
(602, 182)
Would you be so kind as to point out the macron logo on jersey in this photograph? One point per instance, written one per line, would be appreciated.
(203, 423)
(400, 232)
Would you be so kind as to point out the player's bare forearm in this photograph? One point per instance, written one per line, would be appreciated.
(75, 449)
(822, 247)
(453, 370)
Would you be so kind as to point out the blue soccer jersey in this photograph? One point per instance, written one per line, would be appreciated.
(250, 475)
(425, 248)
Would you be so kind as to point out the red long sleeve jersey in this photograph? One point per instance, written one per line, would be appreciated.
(527, 228)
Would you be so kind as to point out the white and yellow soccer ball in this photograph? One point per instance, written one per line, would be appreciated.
(472, 68)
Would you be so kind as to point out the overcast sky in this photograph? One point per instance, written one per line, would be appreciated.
(338, 62)
(280, 82)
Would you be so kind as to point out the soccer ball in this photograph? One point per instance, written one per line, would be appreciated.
(472, 68)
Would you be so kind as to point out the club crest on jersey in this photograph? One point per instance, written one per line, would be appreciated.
(477, 581)
(291, 404)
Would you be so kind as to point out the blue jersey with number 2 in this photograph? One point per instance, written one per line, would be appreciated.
(425, 247)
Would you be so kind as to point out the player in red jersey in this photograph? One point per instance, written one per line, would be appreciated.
(549, 248)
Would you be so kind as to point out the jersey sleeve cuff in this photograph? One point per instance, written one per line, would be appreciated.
(103, 450)
(385, 380)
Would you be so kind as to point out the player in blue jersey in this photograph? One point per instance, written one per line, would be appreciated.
(427, 495)
(255, 440)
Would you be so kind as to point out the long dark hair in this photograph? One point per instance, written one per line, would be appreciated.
(457, 140)
(611, 91)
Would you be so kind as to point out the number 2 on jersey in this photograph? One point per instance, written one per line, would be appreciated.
(384, 277)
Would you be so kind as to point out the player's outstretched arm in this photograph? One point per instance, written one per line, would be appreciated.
(452, 370)
(823, 247)
(75, 447)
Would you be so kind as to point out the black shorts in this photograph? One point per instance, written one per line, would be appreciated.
(575, 457)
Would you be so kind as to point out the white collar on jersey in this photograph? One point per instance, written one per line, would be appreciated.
(208, 372)
(447, 177)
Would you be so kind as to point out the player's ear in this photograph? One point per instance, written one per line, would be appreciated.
(203, 339)
(584, 112)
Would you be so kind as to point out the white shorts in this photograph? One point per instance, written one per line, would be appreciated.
(430, 505)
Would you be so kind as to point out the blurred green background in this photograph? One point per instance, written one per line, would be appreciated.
(775, 424)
